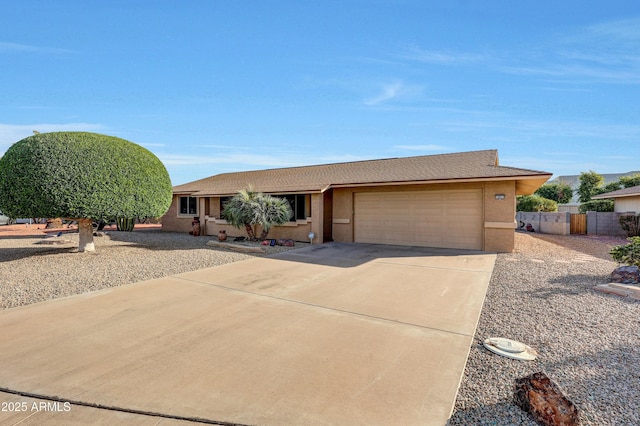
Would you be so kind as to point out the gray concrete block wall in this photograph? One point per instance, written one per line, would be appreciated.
(605, 223)
(546, 223)
(598, 223)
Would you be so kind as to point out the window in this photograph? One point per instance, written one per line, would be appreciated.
(223, 202)
(298, 205)
(188, 206)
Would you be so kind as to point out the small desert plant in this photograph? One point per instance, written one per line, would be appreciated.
(125, 224)
(629, 254)
(630, 224)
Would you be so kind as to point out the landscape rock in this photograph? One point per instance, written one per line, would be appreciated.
(624, 290)
(538, 395)
(236, 247)
(54, 223)
(626, 275)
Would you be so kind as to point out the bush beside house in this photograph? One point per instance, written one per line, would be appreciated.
(535, 203)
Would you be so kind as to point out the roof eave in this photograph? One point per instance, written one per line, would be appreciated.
(206, 193)
(533, 182)
(606, 197)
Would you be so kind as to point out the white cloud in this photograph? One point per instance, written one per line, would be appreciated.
(244, 161)
(222, 158)
(549, 128)
(7, 47)
(623, 29)
(394, 91)
(422, 147)
(12, 133)
(388, 92)
(441, 57)
(602, 53)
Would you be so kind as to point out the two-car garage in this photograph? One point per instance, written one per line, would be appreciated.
(437, 218)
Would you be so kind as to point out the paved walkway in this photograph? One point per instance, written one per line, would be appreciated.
(328, 334)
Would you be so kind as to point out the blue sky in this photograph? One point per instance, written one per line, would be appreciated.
(218, 86)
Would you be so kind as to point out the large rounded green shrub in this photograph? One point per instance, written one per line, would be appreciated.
(80, 175)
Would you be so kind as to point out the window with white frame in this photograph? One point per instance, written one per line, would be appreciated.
(188, 206)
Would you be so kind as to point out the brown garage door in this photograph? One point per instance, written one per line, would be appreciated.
(449, 219)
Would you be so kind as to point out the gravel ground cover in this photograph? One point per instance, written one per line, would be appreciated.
(32, 272)
(589, 342)
(542, 295)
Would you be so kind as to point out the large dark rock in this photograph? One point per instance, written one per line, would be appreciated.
(626, 275)
(538, 395)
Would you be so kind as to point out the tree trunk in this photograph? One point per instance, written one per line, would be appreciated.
(85, 232)
(250, 232)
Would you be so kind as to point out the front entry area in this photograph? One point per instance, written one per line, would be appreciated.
(445, 219)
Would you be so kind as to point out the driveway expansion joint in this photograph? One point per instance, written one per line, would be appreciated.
(327, 308)
(118, 409)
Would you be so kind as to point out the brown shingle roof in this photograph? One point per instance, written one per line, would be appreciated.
(626, 192)
(468, 166)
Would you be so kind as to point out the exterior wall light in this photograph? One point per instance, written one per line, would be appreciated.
(500, 196)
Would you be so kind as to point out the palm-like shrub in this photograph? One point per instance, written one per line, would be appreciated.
(270, 211)
(84, 177)
(238, 211)
(250, 209)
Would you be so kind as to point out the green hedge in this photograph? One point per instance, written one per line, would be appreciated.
(82, 175)
(596, 206)
(630, 224)
(535, 203)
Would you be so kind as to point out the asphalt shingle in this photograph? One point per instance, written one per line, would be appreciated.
(467, 166)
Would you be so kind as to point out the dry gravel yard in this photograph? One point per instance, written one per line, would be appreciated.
(542, 295)
(589, 342)
(31, 272)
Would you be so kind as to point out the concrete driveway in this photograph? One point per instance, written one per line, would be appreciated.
(329, 334)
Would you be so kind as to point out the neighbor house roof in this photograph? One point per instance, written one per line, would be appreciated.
(458, 167)
(626, 192)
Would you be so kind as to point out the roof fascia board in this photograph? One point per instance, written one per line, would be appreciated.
(230, 194)
(457, 180)
(606, 197)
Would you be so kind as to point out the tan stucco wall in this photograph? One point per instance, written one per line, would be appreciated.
(627, 204)
(172, 222)
(298, 231)
(499, 215)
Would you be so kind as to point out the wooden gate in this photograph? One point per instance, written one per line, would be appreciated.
(578, 224)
